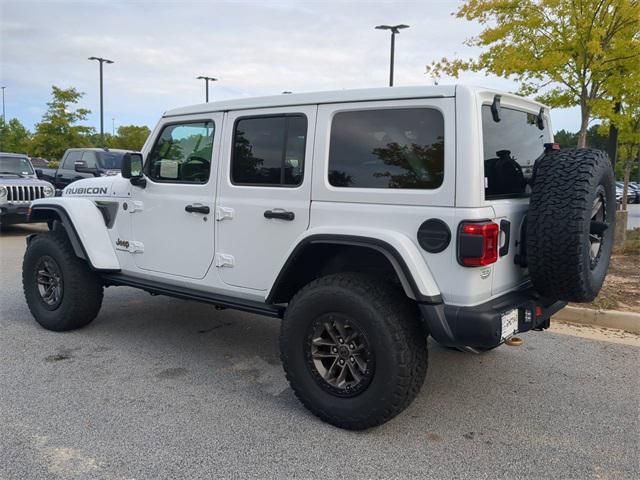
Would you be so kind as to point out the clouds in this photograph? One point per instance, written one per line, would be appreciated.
(254, 48)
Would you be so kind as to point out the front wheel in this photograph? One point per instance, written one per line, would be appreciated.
(62, 292)
(353, 350)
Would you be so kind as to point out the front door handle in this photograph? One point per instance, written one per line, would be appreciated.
(280, 214)
(196, 208)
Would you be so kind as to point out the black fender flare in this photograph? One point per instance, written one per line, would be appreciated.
(389, 251)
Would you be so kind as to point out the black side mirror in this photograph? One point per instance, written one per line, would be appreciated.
(132, 169)
(39, 172)
(80, 166)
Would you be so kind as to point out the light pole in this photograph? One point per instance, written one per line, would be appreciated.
(394, 29)
(113, 127)
(4, 119)
(206, 85)
(101, 60)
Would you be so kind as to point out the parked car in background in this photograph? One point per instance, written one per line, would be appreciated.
(38, 162)
(79, 163)
(633, 194)
(18, 187)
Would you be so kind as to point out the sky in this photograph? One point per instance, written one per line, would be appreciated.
(254, 48)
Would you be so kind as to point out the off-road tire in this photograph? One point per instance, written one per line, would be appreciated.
(82, 290)
(559, 222)
(392, 324)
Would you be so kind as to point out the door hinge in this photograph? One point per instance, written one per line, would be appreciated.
(136, 206)
(222, 213)
(224, 260)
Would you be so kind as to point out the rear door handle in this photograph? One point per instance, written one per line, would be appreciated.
(197, 208)
(280, 214)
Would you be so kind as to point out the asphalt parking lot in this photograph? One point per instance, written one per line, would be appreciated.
(164, 388)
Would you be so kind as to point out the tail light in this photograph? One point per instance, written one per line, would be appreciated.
(478, 243)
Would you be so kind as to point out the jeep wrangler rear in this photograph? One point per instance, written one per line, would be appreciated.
(366, 220)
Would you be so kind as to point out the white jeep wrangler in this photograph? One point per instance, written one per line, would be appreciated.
(366, 220)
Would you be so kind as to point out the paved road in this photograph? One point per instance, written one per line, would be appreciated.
(163, 388)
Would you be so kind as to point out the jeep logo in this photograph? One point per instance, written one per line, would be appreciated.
(122, 243)
(86, 191)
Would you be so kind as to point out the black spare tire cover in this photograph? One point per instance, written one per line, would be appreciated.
(570, 224)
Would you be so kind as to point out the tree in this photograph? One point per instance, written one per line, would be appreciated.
(131, 137)
(14, 137)
(566, 51)
(58, 130)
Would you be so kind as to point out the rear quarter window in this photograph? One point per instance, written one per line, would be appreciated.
(400, 148)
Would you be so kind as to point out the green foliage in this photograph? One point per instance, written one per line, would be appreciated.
(58, 130)
(14, 137)
(54, 164)
(569, 52)
(131, 137)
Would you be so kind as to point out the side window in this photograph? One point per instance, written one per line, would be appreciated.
(72, 157)
(89, 158)
(269, 150)
(182, 153)
(387, 148)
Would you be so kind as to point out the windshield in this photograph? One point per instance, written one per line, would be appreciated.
(511, 147)
(111, 160)
(15, 165)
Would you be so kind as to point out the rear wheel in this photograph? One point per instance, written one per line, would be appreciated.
(61, 290)
(353, 350)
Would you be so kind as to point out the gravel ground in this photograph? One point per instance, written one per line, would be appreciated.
(162, 388)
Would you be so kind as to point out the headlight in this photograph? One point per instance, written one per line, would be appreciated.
(48, 191)
(3, 191)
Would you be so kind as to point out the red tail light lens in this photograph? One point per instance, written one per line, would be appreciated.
(478, 243)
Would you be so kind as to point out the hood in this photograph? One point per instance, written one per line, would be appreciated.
(11, 180)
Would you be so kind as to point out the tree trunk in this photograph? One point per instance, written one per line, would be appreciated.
(627, 174)
(584, 125)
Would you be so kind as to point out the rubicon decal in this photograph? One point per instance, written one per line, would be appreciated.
(86, 191)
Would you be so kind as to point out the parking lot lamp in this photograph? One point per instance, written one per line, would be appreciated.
(101, 61)
(206, 85)
(394, 29)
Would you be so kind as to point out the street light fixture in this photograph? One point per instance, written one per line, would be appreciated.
(394, 29)
(206, 85)
(101, 60)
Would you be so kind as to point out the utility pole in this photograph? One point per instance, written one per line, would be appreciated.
(206, 85)
(113, 127)
(394, 29)
(101, 60)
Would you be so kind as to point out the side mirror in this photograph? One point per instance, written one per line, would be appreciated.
(132, 169)
(39, 172)
(80, 166)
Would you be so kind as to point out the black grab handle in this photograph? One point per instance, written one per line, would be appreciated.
(197, 209)
(279, 214)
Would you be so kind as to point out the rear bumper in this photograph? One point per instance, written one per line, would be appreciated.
(481, 326)
(11, 213)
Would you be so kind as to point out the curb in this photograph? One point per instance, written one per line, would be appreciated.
(627, 321)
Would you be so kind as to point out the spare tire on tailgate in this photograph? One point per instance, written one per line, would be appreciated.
(570, 224)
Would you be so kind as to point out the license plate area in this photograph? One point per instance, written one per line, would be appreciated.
(509, 321)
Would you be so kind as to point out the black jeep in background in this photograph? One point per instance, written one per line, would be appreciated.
(79, 163)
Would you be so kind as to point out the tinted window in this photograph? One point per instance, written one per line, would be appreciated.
(72, 157)
(182, 153)
(269, 150)
(89, 157)
(511, 147)
(387, 148)
(111, 160)
(17, 165)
